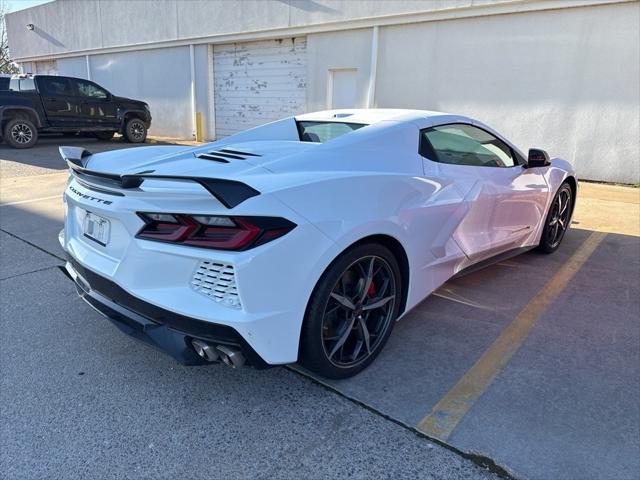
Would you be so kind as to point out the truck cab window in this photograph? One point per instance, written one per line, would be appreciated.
(88, 89)
(55, 86)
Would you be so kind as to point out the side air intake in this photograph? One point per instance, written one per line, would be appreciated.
(217, 281)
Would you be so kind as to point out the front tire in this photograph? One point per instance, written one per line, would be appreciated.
(557, 221)
(20, 133)
(351, 312)
(135, 131)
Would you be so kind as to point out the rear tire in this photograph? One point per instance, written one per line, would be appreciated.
(557, 222)
(135, 131)
(20, 133)
(344, 330)
(104, 135)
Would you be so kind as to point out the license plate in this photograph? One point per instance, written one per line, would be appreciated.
(97, 228)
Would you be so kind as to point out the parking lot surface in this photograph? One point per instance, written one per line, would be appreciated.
(532, 363)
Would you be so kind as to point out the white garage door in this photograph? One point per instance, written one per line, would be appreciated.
(258, 82)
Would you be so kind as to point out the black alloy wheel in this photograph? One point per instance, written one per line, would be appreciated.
(20, 133)
(352, 312)
(558, 219)
(135, 131)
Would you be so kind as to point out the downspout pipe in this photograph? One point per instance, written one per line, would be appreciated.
(373, 70)
(192, 63)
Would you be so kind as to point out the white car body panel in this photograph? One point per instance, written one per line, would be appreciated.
(372, 181)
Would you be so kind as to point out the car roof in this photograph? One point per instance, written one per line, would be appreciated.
(369, 116)
(419, 118)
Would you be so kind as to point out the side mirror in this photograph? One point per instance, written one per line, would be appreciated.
(537, 158)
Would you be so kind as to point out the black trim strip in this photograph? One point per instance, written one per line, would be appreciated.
(92, 187)
(206, 156)
(227, 155)
(492, 260)
(145, 317)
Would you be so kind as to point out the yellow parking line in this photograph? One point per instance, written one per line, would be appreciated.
(448, 412)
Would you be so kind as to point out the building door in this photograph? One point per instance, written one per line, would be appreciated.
(258, 82)
(342, 88)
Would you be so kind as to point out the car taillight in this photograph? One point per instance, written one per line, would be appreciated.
(213, 231)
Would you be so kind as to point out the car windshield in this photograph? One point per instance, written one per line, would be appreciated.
(321, 132)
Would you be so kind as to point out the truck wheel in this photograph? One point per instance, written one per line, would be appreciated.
(104, 135)
(20, 133)
(135, 131)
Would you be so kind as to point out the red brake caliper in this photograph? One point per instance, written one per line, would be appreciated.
(371, 293)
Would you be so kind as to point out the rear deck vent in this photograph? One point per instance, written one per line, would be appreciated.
(217, 281)
(224, 155)
(237, 152)
(215, 158)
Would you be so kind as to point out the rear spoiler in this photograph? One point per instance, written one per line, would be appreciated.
(230, 193)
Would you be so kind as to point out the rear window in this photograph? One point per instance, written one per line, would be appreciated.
(22, 84)
(321, 132)
(4, 83)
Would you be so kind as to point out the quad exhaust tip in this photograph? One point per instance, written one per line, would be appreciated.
(228, 355)
(206, 351)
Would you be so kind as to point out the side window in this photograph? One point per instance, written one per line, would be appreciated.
(321, 132)
(55, 86)
(461, 144)
(88, 89)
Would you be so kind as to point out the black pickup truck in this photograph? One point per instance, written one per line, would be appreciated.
(46, 104)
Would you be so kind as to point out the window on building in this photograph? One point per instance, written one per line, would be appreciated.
(321, 132)
(461, 144)
(89, 89)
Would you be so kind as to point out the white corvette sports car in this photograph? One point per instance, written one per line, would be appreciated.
(302, 240)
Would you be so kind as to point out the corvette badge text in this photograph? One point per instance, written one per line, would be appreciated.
(89, 197)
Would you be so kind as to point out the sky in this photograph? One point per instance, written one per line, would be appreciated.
(13, 5)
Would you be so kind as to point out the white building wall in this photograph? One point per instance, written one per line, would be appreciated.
(335, 51)
(566, 81)
(160, 77)
(73, 67)
(73, 25)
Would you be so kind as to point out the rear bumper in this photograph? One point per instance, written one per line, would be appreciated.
(167, 331)
(273, 281)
